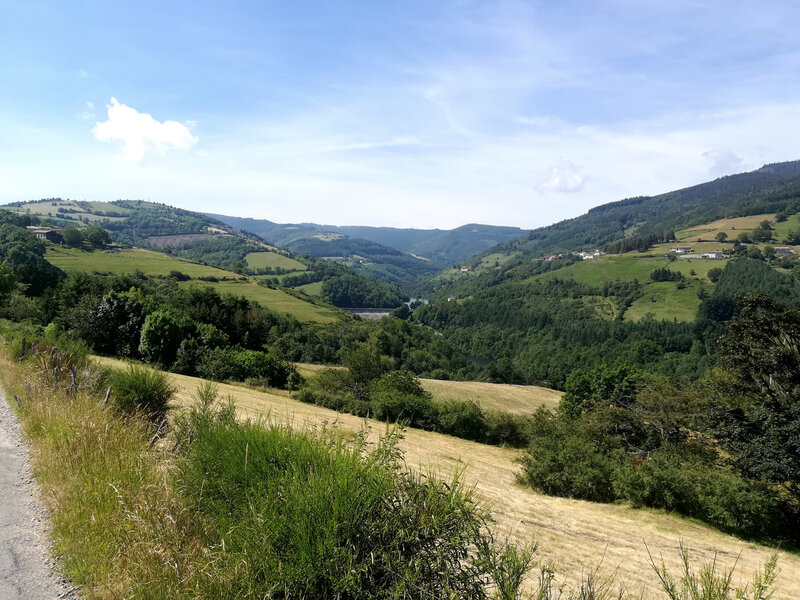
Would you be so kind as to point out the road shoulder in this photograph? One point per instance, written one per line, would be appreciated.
(27, 570)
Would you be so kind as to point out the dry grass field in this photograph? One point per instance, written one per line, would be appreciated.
(49, 208)
(517, 399)
(574, 536)
(732, 227)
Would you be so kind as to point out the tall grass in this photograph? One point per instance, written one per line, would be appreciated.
(141, 390)
(312, 516)
(118, 526)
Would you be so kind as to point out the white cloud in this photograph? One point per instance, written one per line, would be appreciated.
(140, 133)
(723, 162)
(564, 178)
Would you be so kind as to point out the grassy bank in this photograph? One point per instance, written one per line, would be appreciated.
(118, 526)
(574, 536)
(203, 506)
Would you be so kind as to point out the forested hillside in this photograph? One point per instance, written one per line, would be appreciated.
(647, 219)
(442, 247)
(535, 317)
(196, 237)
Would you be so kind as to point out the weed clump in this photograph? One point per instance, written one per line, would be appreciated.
(143, 390)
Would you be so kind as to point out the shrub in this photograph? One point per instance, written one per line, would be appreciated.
(678, 480)
(221, 364)
(306, 516)
(506, 429)
(162, 334)
(713, 583)
(141, 389)
(565, 458)
(178, 276)
(398, 397)
(664, 274)
(714, 274)
(462, 419)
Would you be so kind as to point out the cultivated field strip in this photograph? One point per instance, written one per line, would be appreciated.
(575, 536)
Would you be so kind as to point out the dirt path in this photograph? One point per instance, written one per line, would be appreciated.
(26, 569)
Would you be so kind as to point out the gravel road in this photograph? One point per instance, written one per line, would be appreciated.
(26, 570)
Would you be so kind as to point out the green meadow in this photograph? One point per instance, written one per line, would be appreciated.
(665, 302)
(262, 260)
(274, 299)
(660, 300)
(126, 261)
(151, 263)
(312, 289)
(615, 267)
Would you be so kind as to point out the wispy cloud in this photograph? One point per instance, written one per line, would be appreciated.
(563, 178)
(140, 133)
(723, 162)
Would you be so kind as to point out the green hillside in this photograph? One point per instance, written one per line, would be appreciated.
(637, 223)
(442, 247)
(129, 260)
(535, 311)
(352, 280)
(132, 260)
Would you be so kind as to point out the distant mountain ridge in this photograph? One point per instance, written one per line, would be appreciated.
(772, 188)
(443, 247)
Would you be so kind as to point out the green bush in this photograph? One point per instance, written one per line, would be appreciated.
(688, 483)
(221, 364)
(506, 429)
(162, 334)
(301, 516)
(462, 419)
(567, 458)
(398, 397)
(141, 390)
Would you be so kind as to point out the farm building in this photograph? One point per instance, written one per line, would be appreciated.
(50, 234)
(784, 251)
(713, 255)
(588, 255)
(680, 249)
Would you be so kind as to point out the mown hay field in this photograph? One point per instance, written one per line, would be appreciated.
(516, 399)
(49, 208)
(574, 536)
(262, 260)
(733, 227)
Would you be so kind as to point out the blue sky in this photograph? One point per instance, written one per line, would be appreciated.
(424, 114)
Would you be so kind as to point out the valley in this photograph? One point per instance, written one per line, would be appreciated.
(586, 378)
